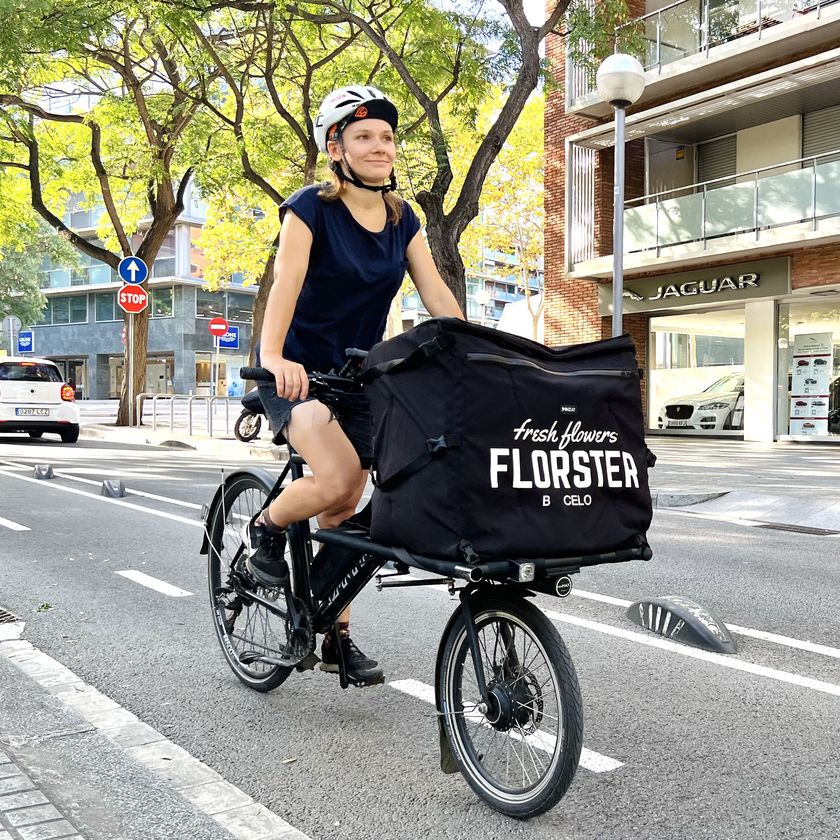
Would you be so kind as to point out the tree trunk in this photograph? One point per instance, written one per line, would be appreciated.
(138, 339)
(261, 300)
(443, 243)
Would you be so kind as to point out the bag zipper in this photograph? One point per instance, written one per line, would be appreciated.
(512, 362)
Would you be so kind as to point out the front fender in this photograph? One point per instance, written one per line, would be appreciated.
(262, 475)
(447, 759)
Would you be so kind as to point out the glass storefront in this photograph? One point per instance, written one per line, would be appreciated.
(222, 379)
(809, 369)
(696, 381)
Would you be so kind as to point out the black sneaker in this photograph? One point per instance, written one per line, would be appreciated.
(265, 554)
(360, 668)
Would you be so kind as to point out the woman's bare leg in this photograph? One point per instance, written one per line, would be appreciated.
(337, 482)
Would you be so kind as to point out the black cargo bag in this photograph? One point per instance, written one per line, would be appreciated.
(492, 445)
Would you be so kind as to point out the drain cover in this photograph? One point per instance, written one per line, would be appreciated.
(6, 617)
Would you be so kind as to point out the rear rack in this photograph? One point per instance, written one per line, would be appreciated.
(497, 570)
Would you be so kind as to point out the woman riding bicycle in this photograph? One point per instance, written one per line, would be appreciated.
(342, 255)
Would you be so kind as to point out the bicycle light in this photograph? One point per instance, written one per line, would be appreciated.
(526, 572)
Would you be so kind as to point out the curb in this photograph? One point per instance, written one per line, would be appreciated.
(677, 498)
(200, 788)
(223, 446)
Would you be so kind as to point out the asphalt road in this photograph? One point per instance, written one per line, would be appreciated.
(745, 747)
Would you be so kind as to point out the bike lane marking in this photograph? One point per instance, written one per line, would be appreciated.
(97, 483)
(154, 583)
(591, 760)
(695, 653)
(764, 635)
(13, 526)
(727, 661)
(783, 676)
(174, 517)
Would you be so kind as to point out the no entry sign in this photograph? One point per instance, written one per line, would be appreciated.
(218, 327)
(132, 299)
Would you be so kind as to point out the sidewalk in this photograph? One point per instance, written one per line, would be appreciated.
(75, 765)
(789, 484)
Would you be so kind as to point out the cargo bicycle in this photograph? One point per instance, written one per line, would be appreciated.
(507, 697)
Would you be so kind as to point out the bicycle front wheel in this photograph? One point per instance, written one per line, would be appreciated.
(520, 750)
(249, 633)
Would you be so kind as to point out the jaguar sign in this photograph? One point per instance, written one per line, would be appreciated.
(723, 284)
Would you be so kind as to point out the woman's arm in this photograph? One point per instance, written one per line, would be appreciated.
(434, 293)
(290, 267)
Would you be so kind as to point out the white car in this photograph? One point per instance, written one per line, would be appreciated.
(720, 406)
(35, 399)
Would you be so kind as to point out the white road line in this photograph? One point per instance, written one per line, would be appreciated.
(233, 809)
(12, 526)
(589, 759)
(163, 514)
(694, 653)
(775, 638)
(128, 490)
(154, 583)
(726, 660)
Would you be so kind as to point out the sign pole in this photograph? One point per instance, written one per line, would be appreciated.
(216, 377)
(130, 369)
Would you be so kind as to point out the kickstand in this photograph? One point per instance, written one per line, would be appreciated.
(342, 668)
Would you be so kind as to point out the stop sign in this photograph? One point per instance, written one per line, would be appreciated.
(218, 327)
(132, 299)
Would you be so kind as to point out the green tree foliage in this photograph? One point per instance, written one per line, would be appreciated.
(99, 111)
(511, 216)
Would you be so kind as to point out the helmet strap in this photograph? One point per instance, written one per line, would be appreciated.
(353, 179)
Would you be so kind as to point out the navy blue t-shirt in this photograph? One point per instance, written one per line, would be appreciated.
(352, 278)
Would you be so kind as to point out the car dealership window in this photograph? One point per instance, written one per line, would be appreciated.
(809, 368)
(696, 382)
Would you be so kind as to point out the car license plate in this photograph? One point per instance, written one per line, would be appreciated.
(674, 423)
(32, 412)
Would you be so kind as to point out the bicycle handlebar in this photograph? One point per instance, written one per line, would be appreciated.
(256, 373)
(319, 382)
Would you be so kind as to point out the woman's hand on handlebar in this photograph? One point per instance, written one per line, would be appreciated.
(291, 378)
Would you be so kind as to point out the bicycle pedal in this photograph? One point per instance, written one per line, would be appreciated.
(365, 683)
(308, 663)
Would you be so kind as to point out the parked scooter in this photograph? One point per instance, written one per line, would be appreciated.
(249, 423)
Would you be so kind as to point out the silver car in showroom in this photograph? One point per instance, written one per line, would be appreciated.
(719, 407)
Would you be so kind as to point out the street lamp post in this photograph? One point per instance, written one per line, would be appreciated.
(620, 81)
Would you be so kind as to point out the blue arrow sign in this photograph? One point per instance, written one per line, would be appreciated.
(133, 270)
(230, 340)
(26, 341)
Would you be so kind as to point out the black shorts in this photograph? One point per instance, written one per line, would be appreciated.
(351, 411)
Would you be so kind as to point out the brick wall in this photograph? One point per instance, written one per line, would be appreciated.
(571, 313)
(816, 267)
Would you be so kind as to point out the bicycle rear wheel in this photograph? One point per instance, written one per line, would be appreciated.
(248, 632)
(519, 752)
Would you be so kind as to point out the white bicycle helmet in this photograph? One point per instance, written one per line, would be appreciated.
(341, 107)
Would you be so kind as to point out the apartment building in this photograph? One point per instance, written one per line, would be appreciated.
(82, 328)
(732, 220)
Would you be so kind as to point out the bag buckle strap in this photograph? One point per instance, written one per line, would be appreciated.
(439, 444)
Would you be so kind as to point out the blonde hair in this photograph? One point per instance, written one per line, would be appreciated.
(334, 187)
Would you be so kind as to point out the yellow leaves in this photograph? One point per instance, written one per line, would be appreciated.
(236, 239)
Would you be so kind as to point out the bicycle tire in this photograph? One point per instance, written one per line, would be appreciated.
(467, 724)
(252, 424)
(242, 499)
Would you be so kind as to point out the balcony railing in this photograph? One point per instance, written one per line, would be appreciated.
(689, 27)
(801, 192)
